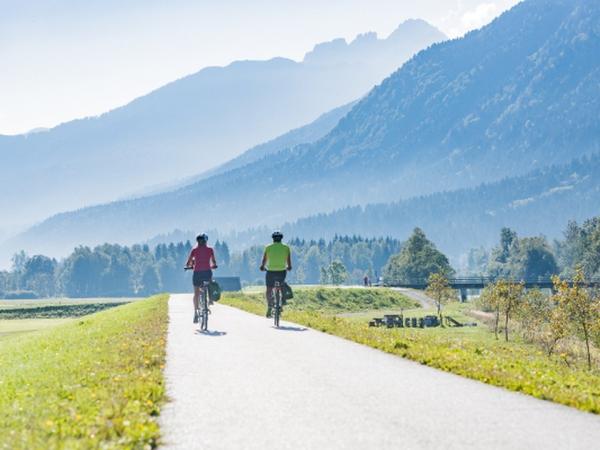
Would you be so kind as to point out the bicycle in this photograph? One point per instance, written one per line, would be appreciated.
(277, 297)
(203, 311)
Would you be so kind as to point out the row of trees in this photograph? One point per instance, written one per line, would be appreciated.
(139, 270)
(531, 258)
(571, 315)
(115, 270)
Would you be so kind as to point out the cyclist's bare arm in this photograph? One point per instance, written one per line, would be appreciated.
(214, 261)
(264, 261)
(190, 261)
(289, 262)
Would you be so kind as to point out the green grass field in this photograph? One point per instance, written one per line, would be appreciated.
(93, 382)
(470, 351)
(17, 327)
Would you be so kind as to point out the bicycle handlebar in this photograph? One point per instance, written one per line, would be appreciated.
(191, 268)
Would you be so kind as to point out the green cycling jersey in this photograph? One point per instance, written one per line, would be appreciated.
(277, 256)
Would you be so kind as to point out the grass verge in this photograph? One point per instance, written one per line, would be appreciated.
(470, 352)
(340, 300)
(93, 383)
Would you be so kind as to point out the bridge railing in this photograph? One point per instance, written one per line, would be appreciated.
(480, 282)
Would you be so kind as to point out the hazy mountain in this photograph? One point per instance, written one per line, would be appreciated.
(306, 134)
(519, 94)
(191, 125)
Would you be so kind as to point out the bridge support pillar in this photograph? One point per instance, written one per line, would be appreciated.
(463, 295)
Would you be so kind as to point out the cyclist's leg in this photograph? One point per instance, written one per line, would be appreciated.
(197, 292)
(209, 297)
(269, 292)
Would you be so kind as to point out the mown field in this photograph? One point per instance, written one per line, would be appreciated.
(90, 382)
(470, 351)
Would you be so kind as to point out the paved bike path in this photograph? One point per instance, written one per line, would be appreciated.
(247, 385)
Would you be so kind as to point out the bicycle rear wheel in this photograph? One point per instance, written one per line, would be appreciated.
(204, 312)
(277, 312)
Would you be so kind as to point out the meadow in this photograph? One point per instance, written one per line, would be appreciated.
(89, 382)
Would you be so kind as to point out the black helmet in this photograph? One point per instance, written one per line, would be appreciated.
(202, 237)
(278, 235)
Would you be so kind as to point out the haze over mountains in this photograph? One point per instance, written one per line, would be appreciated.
(514, 97)
(540, 201)
(192, 124)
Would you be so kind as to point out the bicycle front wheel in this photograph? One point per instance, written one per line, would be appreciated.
(204, 321)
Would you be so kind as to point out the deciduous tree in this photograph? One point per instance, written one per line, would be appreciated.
(579, 307)
(439, 289)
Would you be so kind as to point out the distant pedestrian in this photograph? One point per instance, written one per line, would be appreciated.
(366, 280)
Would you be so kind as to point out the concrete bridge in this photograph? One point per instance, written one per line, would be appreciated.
(465, 283)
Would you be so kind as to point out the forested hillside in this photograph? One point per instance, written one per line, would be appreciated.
(541, 202)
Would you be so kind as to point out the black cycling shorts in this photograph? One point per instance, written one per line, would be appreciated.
(275, 275)
(201, 277)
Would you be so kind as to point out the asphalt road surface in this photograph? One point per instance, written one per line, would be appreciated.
(247, 385)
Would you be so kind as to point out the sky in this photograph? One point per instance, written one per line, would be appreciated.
(66, 59)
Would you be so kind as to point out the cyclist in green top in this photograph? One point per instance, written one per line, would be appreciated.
(277, 261)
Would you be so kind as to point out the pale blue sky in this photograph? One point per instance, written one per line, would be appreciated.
(63, 59)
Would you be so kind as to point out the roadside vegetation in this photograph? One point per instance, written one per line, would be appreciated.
(95, 382)
(566, 323)
(473, 352)
(335, 300)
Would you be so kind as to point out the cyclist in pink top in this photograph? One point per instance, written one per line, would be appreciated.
(202, 260)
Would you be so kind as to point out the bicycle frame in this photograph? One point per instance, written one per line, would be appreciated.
(277, 297)
(203, 311)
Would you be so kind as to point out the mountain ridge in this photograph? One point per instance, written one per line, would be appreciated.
(179, 130)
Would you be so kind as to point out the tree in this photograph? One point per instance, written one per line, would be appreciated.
(504, 298)
(418, 259)
(38, 275)
(581, 248)
(532, 258)
(324, 277)
(499, 265)
(18, 266)
(541, 321)
(579, 307)
(477, 261)
(439, 289)
(150, 281)
(337, 273)
(80, 274)
(490, 301)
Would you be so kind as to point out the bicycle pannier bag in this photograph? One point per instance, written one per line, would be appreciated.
(288, 294)
(214, 291)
